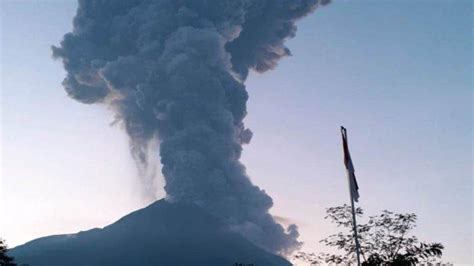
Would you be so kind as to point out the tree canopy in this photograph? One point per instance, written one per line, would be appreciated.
(5, 260)
(384, 240)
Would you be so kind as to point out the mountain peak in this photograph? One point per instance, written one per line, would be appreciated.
(161, 234)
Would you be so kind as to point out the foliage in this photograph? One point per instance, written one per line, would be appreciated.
(5, 260)
(384, 240)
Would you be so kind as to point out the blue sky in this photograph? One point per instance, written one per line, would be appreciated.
(397, 74)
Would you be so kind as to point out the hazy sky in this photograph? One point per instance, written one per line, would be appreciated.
(397, 74)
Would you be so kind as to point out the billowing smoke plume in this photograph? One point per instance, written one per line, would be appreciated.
(173, 71)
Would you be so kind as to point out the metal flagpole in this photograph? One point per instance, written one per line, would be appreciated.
(354, 228)
(351, 195)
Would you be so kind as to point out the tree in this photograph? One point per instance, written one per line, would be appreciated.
(384, 240)
(5, 260)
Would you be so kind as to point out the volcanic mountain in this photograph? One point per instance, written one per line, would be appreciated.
(162, 234)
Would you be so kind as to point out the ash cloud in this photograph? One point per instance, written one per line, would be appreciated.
(173, 71)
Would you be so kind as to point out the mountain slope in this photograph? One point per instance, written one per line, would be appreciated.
(162, 234)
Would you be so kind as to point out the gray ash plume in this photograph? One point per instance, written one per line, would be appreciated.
(173, 72)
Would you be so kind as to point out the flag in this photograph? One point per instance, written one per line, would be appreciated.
(353, 187)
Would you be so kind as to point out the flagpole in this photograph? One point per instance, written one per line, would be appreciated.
(354, 228)
(351, 196)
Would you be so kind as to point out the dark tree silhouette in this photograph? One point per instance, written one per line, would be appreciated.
(384, 240)
(5, 260)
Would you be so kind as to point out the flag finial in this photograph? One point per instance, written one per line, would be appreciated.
(343, 131)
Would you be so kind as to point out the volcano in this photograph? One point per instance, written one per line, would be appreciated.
(162, 234)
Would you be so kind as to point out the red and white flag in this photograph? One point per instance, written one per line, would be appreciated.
(353, 187)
